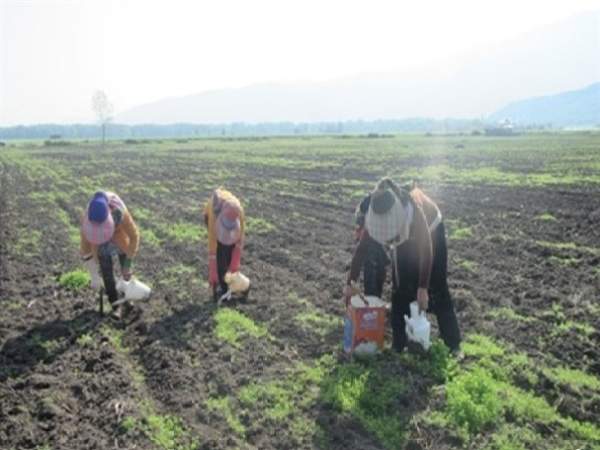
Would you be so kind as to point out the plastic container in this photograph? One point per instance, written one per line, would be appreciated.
(364, 325)
(418, 328)
(133, 289)
(237, 282)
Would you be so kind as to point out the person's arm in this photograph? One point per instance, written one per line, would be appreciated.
(361, 211)
(85, 246)
(358, 259)
(212, 242)
(132, 232)
(423, 240)
(236, 255)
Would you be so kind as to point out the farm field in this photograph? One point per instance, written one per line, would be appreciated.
(522, 215)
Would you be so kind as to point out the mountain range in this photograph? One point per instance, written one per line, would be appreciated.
(567, 109)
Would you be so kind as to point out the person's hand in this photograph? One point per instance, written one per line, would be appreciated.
(213, 278)
(423, 299)
(92, 266)
(95, 281)
(347, 294)
(349, 291)
(126, 273)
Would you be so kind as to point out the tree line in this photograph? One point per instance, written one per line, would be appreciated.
(188, 130)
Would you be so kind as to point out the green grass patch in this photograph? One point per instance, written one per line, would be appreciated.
(473, 401)
(149, 237)
(183, 232)
(168, 433)
(129, 423)
(320, 323)
(461, 233)
(483, 398)
(258, 225)
(75, 280)
(478, 345)
(115, 337)
(469, 266)
(274, 399)
(232, 326)
(564, 261)
(509, 314)
(222, 405)
(546, 217)
(582, 328)
(573, 377)
(141, 214)
(86, 340)
(367, 393)
(557, 245)
(28, 243)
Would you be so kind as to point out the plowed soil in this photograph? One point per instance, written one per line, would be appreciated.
(69, 378)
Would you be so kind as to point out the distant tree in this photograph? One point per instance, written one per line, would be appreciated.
(103, 110)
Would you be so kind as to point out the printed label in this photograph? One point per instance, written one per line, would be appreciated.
(369, 320)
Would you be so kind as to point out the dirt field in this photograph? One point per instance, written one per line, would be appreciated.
(522, 216)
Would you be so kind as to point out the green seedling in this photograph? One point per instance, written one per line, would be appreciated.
(75, 280)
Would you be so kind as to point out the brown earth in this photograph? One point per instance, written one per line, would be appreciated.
(74, 396)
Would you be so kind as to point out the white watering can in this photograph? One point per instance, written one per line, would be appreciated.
(418, 328)
(237, 282)
(133, 290)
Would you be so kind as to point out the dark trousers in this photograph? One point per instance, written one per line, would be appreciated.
(224, 253)
(404, 290)
(374, 269)
(108, 274)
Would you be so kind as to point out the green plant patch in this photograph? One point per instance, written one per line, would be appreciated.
(232, 326)
(564, 261)
(258, 225)
(75, 280)
(223, 406)
(149, 237)
(28, 243)
(183, 232)
(369, 395)
(473, 401)
(129, 423)
(469, 266)
(141, 214)
(86, 340)
(115, 337)
(461, 233)
(546, 217)
(274, 399)
(583, 329)
(559, 246)
(482, 397)
(320, 323)
(572, 377)
(436, 364)
(511, 437)
(168, 433)
(509, 314)
(478, 345)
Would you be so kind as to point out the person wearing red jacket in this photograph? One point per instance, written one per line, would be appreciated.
(224, 217)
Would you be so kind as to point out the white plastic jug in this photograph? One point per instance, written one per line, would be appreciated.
(418, 328)
(237, 282)
(133, 289)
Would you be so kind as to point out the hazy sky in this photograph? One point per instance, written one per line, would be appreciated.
(55, 54)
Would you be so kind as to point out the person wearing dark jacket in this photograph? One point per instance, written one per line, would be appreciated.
(376, 260)
(408, 224)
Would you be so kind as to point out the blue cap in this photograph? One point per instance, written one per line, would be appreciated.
(98, 209)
